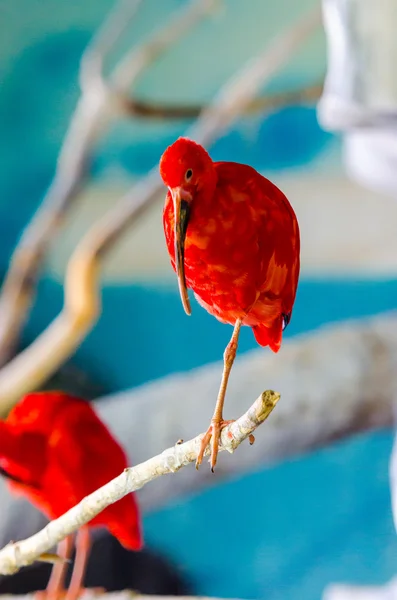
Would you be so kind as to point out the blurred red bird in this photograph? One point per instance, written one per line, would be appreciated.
(233, 238)
(55, 451)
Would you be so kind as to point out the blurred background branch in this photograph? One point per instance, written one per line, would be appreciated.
(265, 103)
(100, 105)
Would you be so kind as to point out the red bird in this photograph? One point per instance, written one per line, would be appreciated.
(55, 451)
(233, 238)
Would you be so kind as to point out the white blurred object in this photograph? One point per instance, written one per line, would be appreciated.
(346, 592)
(370, 157)
(360, 91)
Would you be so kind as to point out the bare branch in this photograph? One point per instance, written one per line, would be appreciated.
(103, 42)
(98, 106)
(266, 103)
(19, 554)
(82, 306)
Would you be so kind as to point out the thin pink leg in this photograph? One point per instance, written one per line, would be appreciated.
(83, 544)
(55, 586)
(213, 433)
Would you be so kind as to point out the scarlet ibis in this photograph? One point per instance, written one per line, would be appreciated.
(233, 238)
(55, 451)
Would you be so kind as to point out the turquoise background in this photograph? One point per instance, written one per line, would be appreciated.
(315, 519)
(289, 530)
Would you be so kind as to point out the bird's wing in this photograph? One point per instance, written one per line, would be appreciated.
(23, 455)
(276, 231)
(84, 457)
(83, 449)
(37, 411)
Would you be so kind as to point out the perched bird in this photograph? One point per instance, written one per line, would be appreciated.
(233, 238)
(55, 451)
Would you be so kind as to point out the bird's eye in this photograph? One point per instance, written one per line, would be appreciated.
(188, 174)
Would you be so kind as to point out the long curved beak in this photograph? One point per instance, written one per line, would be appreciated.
(181, 211)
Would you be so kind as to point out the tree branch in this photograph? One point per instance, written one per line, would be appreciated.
(19, 554)
(148, 109)
(99, 105)
(82, 307)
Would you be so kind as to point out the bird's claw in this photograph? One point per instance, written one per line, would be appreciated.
(212, 436)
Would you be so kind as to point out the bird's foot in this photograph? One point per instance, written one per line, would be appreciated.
(213, 436)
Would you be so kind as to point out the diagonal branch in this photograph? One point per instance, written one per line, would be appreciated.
(98, 106)
(104, 41)
(148, 109)
(19, 554)
(82, 306)
(19, 286)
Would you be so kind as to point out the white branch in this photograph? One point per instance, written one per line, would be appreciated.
(18, 554)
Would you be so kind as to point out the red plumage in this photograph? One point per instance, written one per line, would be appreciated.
(241, 255)
(60, 451)
(233, 238)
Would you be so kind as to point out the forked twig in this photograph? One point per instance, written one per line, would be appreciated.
(98, 106)
(82, 303)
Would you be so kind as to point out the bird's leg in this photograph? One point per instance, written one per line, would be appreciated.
(55, 586)
(213, 433)
(83, 544)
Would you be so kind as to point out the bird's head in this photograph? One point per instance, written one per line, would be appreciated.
(186, 169)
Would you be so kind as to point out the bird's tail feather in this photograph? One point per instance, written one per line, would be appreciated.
(132, 539)
(269, 336)
(127, 526)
